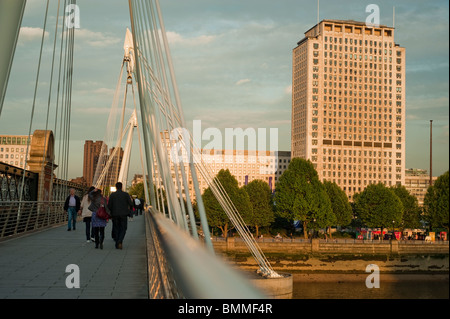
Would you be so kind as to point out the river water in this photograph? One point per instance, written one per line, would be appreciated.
(400, 287)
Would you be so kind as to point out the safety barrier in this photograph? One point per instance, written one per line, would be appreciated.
(22, 217)
(181, 267)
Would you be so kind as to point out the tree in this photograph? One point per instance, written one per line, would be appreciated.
(299, 195)
(340, 205)
(411, 209)
(436, 204)
(138, 190)
(214, 212)
(378, 206)
(260, 197)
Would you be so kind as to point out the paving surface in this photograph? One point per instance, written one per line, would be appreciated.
(34, 266)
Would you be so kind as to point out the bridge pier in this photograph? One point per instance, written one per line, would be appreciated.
(41, 162)
(274, 288)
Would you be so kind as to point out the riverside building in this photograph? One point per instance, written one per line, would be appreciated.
(13, 150)
(417, 182)
(245, 165)
(348, 104)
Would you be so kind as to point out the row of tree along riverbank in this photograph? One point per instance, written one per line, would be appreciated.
(300, 196)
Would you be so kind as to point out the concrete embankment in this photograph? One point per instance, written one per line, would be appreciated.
(319, 257)
(390, 277)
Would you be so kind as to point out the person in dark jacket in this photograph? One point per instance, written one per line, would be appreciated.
(72, 207)
(120, 205)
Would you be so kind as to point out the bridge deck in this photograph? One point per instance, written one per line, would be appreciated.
(34, 266)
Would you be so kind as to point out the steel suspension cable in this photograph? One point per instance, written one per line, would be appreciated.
(50, 86)
(58, 194)
(34, 102)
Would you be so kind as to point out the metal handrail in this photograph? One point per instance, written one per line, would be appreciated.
(188, 269)
(22, 217)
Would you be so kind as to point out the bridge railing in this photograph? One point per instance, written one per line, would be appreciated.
(60, 189)
(21, 217)
(11, 181)
(182, 267)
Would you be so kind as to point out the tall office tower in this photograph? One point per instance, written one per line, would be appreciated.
(348, 104)
(112, 177)
(91, 155)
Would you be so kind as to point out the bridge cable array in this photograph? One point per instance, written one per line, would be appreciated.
(165, 131)
(63, 96)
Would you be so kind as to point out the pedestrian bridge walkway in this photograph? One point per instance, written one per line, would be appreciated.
(34, 266)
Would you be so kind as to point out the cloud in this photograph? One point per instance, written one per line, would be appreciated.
(243, 81)
(176, 38)
(28, 34)
(96, 110)
(95, 39)
(107, 91)
(288, 90)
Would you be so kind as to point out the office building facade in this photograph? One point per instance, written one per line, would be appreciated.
(348, 104)
(13, 150)
(417, 182)
(91, 155)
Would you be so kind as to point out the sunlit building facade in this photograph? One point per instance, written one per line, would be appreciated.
(348, 104)
(13, 150)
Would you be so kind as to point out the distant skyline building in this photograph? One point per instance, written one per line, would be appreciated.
(13, 149)
(244, 165)
(112, 176)
(348, 104)
(91, 154)
(417, 182)
(247, 166)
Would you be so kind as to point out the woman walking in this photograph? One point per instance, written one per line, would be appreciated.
(98, 224)
(86, 214)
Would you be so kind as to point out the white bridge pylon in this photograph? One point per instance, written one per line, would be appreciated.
(161, 111)
(109, 165)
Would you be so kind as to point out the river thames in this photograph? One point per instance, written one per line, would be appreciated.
(347, 286)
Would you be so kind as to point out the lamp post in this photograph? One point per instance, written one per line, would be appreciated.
(393, 231)
(431, 152)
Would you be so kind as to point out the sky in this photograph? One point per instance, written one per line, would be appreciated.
(233, 65)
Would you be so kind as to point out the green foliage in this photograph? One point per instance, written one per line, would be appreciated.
(436, 203)
(378, 206)
(260, 197)
(215, 214)
(138, 190)
(411, 209)
(300, 195)
(340, 205)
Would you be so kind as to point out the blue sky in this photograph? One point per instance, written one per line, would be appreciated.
(233, 66)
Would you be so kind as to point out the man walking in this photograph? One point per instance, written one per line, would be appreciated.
(71, 207)
(119, 204)
(137, 205)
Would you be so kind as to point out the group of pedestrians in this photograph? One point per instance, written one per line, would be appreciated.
(118, 206)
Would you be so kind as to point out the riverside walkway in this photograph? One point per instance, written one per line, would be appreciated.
(34, 266)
